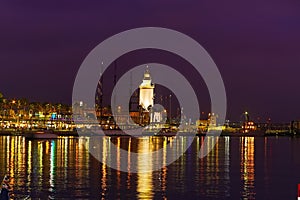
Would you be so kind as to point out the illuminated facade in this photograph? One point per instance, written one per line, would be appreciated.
(212, 119)
(146, 99)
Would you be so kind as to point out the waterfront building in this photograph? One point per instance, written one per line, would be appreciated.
(148, 114)
(212, 119)
(146, 99)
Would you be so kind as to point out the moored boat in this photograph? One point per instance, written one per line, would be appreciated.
(42, 134)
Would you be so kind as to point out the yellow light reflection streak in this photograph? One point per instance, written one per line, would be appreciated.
(40, 161)
(129, 165)
(118, 162)
(104, 167)
(144, 163)
(29, 161)
(247, 165)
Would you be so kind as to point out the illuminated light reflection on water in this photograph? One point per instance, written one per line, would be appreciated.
(237, 168)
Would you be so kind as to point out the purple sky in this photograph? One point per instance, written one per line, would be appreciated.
(255, 44)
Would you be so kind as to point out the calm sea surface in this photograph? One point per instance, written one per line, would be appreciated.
(237, 168)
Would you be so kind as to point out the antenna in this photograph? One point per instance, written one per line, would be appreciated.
(115, 83)
(101, 88)
(130, 92)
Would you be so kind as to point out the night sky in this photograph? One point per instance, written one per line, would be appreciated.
(255, 44)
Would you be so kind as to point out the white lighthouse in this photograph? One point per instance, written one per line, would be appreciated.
(146, 91)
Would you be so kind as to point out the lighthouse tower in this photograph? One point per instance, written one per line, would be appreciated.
(146, 99)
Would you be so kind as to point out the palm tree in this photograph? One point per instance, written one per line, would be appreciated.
(23, 103)
(5, 107)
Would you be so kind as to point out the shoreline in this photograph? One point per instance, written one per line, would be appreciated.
(118, 133)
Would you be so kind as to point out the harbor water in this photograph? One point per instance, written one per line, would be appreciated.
(236, 168)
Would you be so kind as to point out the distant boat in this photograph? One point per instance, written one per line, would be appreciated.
(42, 134)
